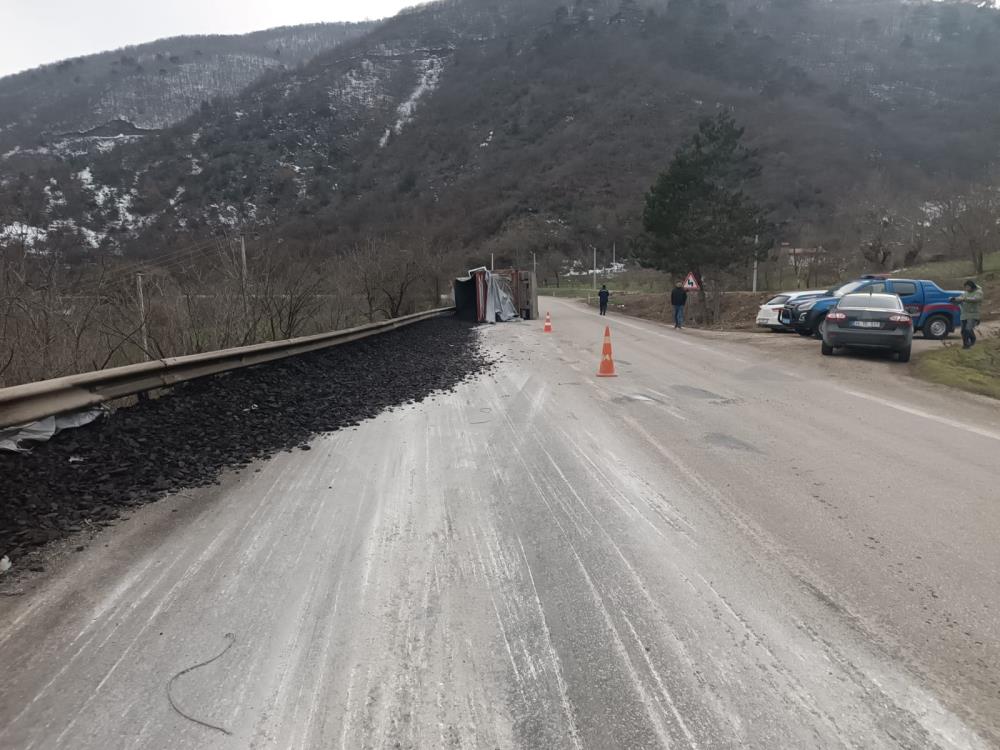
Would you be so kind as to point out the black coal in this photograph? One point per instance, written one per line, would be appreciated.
(188, 437)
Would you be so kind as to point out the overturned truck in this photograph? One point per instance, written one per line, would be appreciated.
(486, 296)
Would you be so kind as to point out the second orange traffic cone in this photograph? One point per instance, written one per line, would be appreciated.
(548, 323)
(607, 368)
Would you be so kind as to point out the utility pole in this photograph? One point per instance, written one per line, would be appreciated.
(492, 266)
(244, 278)
(243, 257)
(614, 254)
(142, 317)
(595, 269)
(756, 240)
(534, 264)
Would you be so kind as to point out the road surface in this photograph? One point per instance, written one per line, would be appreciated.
(713, 550)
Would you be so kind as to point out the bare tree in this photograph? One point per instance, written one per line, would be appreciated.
(387, 272)
(970, 223)
(405, 267)
(366, 267)
(62, 311)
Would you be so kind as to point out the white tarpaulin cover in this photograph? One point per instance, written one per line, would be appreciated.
(499, 297)
(43, 430)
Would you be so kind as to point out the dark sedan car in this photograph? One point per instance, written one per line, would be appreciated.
(870, 321)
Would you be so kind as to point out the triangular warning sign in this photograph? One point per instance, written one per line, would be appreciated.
(691, 283)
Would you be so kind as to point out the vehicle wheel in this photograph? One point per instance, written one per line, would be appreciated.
(936, 327)
(818, 330)
(903, 355)
(826, 349)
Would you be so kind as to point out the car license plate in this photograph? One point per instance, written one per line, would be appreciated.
(866, 324)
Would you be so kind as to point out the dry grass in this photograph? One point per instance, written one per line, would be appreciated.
(738, 309)
(976, 370)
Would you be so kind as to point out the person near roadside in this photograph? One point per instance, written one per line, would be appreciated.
(603, 297)
(678, 298)
(971, 302)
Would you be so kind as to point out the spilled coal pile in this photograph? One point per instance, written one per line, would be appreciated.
(188, 437)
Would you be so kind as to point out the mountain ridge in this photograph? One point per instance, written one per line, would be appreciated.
(154, 84)
(514, 126)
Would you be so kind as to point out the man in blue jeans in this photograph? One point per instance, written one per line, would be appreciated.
(603, 297)
(678, 298)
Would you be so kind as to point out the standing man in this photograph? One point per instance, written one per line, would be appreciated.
(603, 296)
(971, 302)
(678, 298)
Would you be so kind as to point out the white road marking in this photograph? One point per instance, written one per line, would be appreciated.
(981, 431)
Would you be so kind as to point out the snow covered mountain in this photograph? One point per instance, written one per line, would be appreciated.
(531, 124)
(150, 86)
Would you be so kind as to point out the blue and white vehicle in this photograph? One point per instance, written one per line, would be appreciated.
(930, 306)
(767, 315)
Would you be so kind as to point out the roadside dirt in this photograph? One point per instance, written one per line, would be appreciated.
(738, 310)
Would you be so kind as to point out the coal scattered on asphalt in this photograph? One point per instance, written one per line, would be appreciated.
(188, 437)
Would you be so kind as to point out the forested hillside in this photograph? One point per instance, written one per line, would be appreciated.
(150, 86)
(538, 125)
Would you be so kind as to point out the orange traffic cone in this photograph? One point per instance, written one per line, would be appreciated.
(607, 368)
(548, 323)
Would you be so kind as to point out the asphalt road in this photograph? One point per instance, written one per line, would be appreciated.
(715, 549)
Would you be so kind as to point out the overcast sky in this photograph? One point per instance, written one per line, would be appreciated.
(34, 32)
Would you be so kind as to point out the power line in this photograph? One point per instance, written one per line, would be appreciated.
(124, 273)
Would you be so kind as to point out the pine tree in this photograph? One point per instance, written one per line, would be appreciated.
(697, 216)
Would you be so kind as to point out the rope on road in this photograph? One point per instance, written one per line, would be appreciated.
(232, 639)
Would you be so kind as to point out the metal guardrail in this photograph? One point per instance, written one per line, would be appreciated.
(22, 404)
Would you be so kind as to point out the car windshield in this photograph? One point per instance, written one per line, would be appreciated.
(840, 291)
(870, 301)
(780, 299)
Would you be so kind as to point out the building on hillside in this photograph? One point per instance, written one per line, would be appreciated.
(802, 257)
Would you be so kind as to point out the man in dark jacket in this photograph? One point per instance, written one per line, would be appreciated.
(603, 297)
(971, 303)
(678, 298)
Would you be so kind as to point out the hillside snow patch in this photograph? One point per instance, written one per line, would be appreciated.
(428, 76)
(22, 234)
(122, 201)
